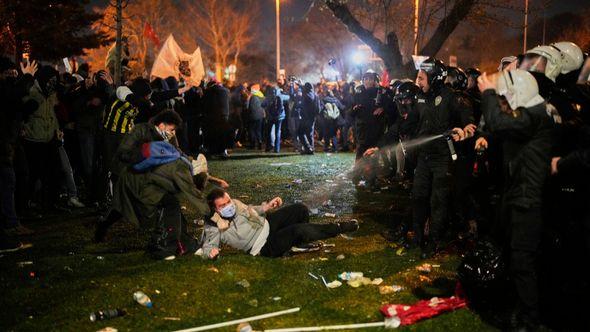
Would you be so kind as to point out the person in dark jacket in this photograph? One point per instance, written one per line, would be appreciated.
(526, 129)
(332, 112)
(13, 88)
(310, 109)
(275, 114)
(441, 113)
(217, 129)
(367, 114)
(257, 115)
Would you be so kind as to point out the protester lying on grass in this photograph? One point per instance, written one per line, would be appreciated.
(262, 230)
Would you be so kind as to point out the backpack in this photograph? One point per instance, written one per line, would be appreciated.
(331, 111)
(276, 109)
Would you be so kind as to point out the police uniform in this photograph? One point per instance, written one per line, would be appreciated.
(440, 110)
(368, 127)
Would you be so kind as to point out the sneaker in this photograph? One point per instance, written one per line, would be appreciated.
(75, 202)
(349, 226)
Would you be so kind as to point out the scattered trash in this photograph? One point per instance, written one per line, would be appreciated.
(389, 289)
(436, 265)
(228, 310)
(100, 258)
(280, 164)
(185, 294)
(244, 283)
(384, 188)
(362, 183)
(171, 318)
(327, 251)
(276, 298)
(67, 268)
(340, 257)
(377, 281)
(157, 291)
(346, 237)
(334, 284)
(323, 258)
(400, 251)
(426, 268)
(258, 185)
(357, 282)
(327, 203)
(298, 181)
(330, 181)
(199, 222)
(106, 314)
(328, 244)
(244, 327)
(108, 329)
(314, 211)
(350, 275)
(213, 269)
(253, 303)
(244, 196)
(312, 275)
(330, 215)
(142, 299)
(23, 264)
(182, 207)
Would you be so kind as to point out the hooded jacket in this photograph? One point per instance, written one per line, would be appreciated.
(42, 123)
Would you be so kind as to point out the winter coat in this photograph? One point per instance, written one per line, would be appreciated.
(255, 106)
(42, 124)
(243, 230)
(527, 135)
(137, 195)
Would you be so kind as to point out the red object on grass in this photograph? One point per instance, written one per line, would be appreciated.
(410, 314)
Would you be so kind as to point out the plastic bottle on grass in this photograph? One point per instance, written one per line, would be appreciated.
(142, 299)
(350, 275)
(106, 314)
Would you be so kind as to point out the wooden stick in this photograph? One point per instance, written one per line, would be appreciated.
(242, 320)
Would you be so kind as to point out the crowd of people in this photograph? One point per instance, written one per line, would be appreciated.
(486, 156)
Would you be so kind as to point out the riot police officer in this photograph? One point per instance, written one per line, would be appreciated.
(442, 114)
(367, 114)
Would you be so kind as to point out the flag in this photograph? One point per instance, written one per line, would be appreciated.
(172, 61)
(149, 33)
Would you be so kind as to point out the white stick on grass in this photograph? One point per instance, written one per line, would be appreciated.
(242, 320)
(331, 327)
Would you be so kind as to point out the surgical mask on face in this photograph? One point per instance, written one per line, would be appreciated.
(228, 211)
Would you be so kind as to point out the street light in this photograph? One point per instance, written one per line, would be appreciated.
(278, 28)
(359, 58)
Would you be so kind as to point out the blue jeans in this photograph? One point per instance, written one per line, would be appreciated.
(274, 139)
(293, 130)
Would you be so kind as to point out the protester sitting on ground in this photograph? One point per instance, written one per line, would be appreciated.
(261, 230)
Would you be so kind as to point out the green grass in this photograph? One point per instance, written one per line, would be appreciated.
(73, 276)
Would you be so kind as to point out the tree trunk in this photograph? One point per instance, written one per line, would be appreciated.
(389, 51)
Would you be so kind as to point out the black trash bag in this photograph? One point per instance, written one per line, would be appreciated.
(483, 275)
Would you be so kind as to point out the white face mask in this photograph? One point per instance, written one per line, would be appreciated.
(228, 211)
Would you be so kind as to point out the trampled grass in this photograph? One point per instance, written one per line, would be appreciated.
(70, 276)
